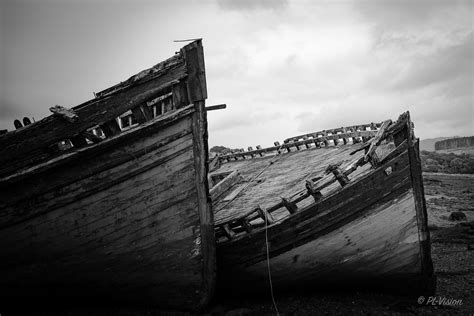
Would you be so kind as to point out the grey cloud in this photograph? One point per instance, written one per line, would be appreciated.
(250, 5)
(389, 14)
(241, 119)
(445, 65)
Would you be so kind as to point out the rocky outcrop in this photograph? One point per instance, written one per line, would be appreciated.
(458, 142)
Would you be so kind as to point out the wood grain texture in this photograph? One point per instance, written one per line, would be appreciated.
(206, 216)
(22, 198)
(132, 225)
(351, 252)
(285, 177)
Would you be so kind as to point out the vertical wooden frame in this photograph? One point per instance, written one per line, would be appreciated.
(197, 93)
(420, 207)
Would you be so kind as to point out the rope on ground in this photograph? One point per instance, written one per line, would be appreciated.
(268, 266)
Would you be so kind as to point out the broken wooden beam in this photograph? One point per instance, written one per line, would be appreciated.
(67, 114)
(245, 223)
(142, 113)
(316, 194)
(225, 184)
(110, 128)
(337, 172)
(290, 206)
(377, 139)
(216, 107)
(79, 141)
(180, 95)
(228, 232)
(91, 136)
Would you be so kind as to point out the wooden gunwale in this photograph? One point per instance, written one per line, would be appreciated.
(334, 131)
(353, 132)
(54, 129)
(68, 157)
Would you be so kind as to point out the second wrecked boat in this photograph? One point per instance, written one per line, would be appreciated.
(339, 208)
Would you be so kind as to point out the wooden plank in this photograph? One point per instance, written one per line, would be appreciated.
(234, 193)
(67, 114)
(180, 94)
(228, 231)
(245, 223)
(225, 184)
(377, 139)
(316, 194)
(59, 191)
(338, 174)
(289, 205)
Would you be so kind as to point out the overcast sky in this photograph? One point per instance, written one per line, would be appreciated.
(282, 67)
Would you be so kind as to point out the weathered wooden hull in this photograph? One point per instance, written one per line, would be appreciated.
(131, 229)
(370, 233)
(125, 219)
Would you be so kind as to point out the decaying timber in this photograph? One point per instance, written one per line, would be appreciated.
(110, 198)
(337, 208)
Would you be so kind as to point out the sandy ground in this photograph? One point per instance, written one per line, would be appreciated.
(452, 254)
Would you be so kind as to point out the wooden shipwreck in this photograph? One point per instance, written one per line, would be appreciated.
(110, 198)
(337, 208)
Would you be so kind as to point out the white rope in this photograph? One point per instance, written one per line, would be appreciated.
(268, 266)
